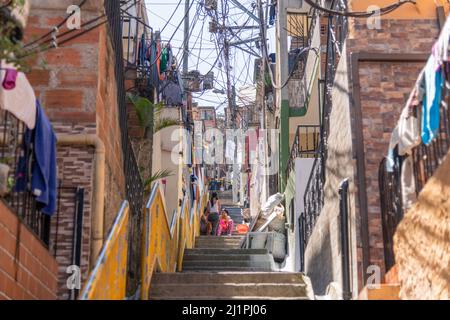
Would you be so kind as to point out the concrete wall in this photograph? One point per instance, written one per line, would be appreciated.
(33, 276)
(323, 253)
(163, 146)
(421, 243)
(295, 190)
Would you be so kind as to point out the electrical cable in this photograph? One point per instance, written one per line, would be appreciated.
(59, 25)
(381, 11)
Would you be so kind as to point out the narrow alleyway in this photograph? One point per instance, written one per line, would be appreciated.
(218, 268)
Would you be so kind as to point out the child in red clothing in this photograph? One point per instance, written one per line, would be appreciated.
(226, 224)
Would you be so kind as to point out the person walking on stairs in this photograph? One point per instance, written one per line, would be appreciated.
(214, 210)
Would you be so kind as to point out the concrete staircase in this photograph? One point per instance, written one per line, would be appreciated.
(218, 269)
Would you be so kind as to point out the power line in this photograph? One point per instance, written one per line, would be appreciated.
(381, 11)
(59, 25)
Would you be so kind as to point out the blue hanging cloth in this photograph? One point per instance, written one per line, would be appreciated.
(39, 147)
(431, 102)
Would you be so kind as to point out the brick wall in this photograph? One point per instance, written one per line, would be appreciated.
(385, 88)
(76, 86)
(33, 275)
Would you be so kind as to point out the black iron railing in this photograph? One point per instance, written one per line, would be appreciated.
(135, 31)
(68, 232)
(305, 145)
(134, 185)
(23, 203)
(314, 194)
(314, 198)
(301, 27)
(394, 200)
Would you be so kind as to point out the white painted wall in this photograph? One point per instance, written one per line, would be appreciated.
(303, 169)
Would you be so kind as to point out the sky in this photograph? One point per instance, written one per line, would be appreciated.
(203, 50)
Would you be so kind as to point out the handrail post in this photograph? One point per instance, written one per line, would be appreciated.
(345, 250)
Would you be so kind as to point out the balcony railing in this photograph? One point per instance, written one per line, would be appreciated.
(305, 145)
(301, 26)
(65, 227)
(313, 199)
(22, 203)
(425, 161)
(134, 32)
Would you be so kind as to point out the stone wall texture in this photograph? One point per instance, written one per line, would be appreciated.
(422, 241)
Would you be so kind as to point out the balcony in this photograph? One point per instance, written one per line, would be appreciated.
(305, 145)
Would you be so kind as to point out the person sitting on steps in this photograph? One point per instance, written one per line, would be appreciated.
(226, 224)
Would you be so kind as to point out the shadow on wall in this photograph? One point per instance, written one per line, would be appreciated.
(421, 241)
(320, 264)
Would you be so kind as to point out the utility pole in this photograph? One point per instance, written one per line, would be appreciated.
(264, 64)
(186, 40)
(186, 92)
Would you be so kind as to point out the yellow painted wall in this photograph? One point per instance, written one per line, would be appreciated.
(423, 9)
(108, 279)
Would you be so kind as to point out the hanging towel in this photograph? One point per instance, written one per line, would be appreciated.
(20, 101)
(431, 101)
(408, 184)
(273, 12)
(40, 146)
(408, 127)
(164, 60)
(440, 49)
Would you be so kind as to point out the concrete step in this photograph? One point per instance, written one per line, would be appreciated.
(237, 237)
(230, 290)
(221, 251)
(218, 246)
(226, 268)
(225, 257)
(257, 262)
(227, 277)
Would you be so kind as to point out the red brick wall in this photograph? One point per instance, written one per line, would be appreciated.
(76, 85)
(385, 88)
(36, 269)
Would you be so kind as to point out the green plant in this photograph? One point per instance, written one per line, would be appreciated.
(11, 48)
(161, 174)
(165, 123)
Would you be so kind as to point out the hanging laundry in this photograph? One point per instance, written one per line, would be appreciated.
(230, 150)
(172, 93)
(409, 127)
(20, 100)
(440, 49)
(153, 59)
(431, 101)
(39, 146)
(170, 56)
(164, 60)
(9, 82)
(273, 12)
(408, 184)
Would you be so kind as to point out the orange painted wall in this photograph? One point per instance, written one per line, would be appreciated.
(423, 9)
